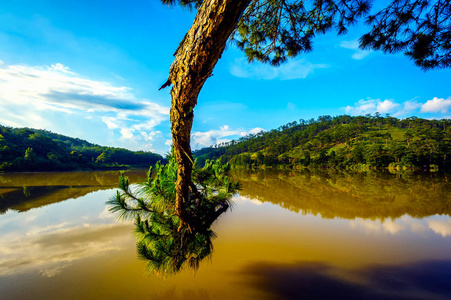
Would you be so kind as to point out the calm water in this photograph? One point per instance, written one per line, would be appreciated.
(289, 236)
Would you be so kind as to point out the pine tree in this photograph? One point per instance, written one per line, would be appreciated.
(161, 240)
(272, 31)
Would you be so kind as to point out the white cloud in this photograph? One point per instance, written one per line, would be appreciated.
(256, 130)
(411, 105)
(370, 227)
(39, 230)
(408, 107)
(127, 133)
(54, 249)
(293, 69)
(392, 227)
(61, 67)
(365, 106)
(224, 134)
(417, 226)
(354, 45)
(361, 54)
(386, 106)
(150, 136)
(437, 105)
(49, 240)
(370, 106)
(106, 214)
(440, 227)
(239, 199)
(29, 95)
(110, 122)
(405, 223)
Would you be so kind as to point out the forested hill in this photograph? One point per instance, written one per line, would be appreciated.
(342, 142)
(26, 149)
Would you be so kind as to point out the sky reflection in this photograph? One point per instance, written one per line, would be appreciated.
(438, 224)
(47, 239)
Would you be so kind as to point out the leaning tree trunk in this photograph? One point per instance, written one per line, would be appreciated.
(194, 61)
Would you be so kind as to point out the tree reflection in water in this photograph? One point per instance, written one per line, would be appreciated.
(334, 194)
(167, 246)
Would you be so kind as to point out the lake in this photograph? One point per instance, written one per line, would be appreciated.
(289, 235)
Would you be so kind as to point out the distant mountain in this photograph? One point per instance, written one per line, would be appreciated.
(361, 142)
(27, 149)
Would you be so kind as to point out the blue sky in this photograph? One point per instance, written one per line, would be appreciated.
(92, 69)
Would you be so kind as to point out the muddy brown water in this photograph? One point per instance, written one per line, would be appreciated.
(289, 235)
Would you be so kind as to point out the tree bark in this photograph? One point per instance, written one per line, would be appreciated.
(194, 62)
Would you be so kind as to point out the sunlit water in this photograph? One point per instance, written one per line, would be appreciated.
(289, 236)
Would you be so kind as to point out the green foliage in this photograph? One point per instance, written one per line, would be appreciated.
(342, 142)
(160, 240)
(29, 155)
(25, 149)
(419, 28)
(272, 31)
(101, 158)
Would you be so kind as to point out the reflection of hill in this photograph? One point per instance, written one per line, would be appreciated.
(67, 178)
(349, 196)
(37, 196)
(25, 191)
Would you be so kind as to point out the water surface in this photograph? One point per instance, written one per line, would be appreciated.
(290, 235)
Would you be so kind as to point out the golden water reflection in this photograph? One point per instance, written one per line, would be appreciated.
(343, 195)
(24, 191)
(289, 236)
